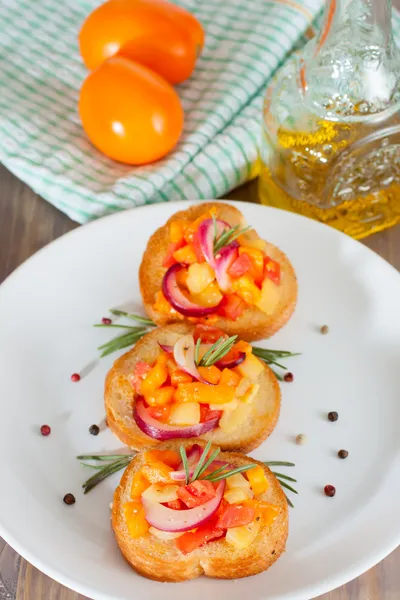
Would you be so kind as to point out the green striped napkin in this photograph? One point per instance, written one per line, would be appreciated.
(41, 140)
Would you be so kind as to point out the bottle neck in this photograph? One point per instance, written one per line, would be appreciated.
(353, 62)
(369, 17)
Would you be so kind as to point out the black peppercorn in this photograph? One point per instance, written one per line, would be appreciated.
(333, 416)
(94, 430)
(343, 454)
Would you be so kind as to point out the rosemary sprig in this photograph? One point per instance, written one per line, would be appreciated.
(196, 351)
(217, 351)
(111, 467)
(280, 476)
(208, 462)
(270, 358)
(183, 454)
(217, 477)
(116, 462)
(227, 237)
(129, 337)
(138, 318)
(201, 462)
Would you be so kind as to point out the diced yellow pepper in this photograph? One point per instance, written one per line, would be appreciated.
(204, 393)
(161, 397)
(246, 289)
(162, 305)
(268, 512)
(169, 457)
(185, 255)
(211, 374)
(135, 518)
(258, 480)
(157, 471)
(229, 377)
(177, 229)
(154, 379)
(139, 484)
(179, 376)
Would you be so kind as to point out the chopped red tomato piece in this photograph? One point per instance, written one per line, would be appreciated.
(197, 248)
(232, 307)
(207, 415)
(272, 270)
(205, 533)
(207, 333)
(139, 373)
(161, 413)
(175, 504)
(236, 515)
(240, 266)
(196, 493)
(169, 259)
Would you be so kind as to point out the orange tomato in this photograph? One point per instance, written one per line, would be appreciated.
(170, 53)
(158, 34)
(130, 113)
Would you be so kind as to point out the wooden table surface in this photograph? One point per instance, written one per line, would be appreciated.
(26, 224)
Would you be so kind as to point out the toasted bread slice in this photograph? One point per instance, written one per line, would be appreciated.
(120, 398)
(254, 324)
(162, 561)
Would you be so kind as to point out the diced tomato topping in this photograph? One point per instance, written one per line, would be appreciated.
(236, 515)
(161, 413)
(175, 504)
(240, 266)
(196, 493)
(197, 248)
(272, 270)
(169, 259)
(205, 533)
(207, 333)
(221, 508)
(139, 373)
(207, 415)
(232, 307)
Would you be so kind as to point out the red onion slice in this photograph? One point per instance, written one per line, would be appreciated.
(207, 236)
(166, 348)
(178, 300)
(225, 257)
(229, 364)
(161, 431)
(184, 356)
(168, 519)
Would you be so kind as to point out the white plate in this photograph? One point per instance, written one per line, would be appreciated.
(47, 308)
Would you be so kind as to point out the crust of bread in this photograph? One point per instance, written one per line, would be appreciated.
(253, 324)
(162, 561)
(120, 398)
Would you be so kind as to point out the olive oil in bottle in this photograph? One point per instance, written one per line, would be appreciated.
(331, 126)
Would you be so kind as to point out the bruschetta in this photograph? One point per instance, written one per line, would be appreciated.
(205, 265)
(185, 381)
(227, 518)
